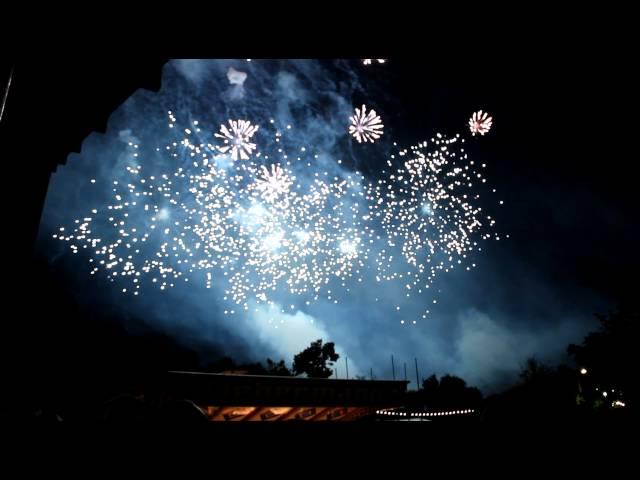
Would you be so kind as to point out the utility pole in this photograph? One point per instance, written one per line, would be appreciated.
(393, 368)
(417, 376)
(346, 360)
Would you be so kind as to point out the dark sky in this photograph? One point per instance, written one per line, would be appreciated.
(558, 155)
(561, 150)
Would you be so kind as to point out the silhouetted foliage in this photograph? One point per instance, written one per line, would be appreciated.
(316, 360)
(228, 365)
(255, 368)
(278, 369)
(430, 385)
(449, 392)
(224, 364)
(534, 371)
(607, 354)
(562, 393)
(543, 394)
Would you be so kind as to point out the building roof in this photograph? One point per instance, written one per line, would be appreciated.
(230, 389)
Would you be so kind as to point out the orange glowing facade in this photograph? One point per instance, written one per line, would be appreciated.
(252, 398)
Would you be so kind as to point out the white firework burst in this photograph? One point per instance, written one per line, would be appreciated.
(272, 184)
(480, 122)
(237, 139)
(369, 61)
(364, 126)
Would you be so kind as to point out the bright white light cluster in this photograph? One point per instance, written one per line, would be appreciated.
(429, 213)
(276, 224)
(480, 122)
(237, 139)
(366, 127)
(425, 414)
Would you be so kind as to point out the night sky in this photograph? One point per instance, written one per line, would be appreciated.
(556, 155)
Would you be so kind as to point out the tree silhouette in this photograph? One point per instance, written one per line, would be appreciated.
(430, 390)
(279, 369)
(316, 360)
(534, 371)
(449, 392)
(607, 354)
(544, 394)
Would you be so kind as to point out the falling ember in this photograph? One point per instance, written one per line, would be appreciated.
(480, 122)
(364, 126)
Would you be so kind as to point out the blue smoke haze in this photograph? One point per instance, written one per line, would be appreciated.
(486, 322)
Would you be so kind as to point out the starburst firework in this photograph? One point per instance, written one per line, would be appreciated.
(365, 126)
(480, 122)
(273, 184)
(237, 139)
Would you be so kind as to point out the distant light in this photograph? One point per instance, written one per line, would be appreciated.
(583, 371)
(604, 394)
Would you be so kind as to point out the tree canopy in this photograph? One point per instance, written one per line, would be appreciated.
(316, 360)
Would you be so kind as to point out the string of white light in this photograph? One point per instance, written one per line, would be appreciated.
(425, 414)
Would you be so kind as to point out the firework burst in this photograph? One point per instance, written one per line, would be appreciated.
(480, 122)
(427, 209)
(259, 233)
(237, 139)
(273, 184)
(366, 127)
(369, 61)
